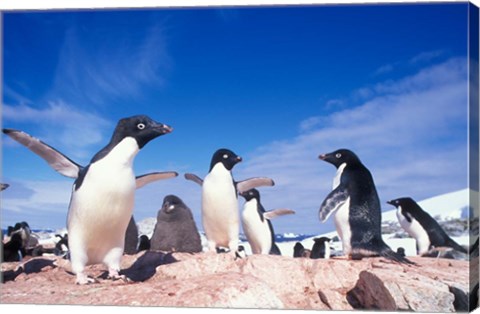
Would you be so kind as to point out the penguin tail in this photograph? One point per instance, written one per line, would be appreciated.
(380, 248)
(454, 245)
(394, 256)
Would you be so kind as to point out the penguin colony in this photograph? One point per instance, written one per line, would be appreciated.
(101, 227)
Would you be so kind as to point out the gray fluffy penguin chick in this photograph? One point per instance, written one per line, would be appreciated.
(175, 230)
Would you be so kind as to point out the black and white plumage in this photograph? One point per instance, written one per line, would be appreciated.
(356, 205)
(298, 249)
(175, 230)
(61, 247)
(67, 167)
(220, 216)
(321, 248)
(143, 243)
(131, 238)
(103, 193)
(257, 225)
(12, 250)
(421, 226)
(24, 231)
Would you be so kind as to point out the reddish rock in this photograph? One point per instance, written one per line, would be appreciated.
(259, 281)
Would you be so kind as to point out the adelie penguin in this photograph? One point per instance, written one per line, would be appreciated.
(321, 248)
(421, 226)
(257, 226)
(102, 197)
(355, 203)
(220, 216)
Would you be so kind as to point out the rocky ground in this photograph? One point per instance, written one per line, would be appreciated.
(260, 281)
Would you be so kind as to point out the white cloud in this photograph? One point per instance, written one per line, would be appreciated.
(61, 126)
(411, 134)
(426, 56)
(43, 204)
(120, 68)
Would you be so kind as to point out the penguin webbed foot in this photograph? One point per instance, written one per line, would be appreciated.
(83, 279)
(115, 276)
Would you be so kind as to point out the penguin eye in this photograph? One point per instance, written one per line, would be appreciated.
(225, 156)
(140, 126)
(338, 155)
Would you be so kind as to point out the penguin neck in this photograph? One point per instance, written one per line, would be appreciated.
(121, 153)
(219, 169)
(338, 175)
(251, 205)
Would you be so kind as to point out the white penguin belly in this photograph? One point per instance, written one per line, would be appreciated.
(343, 226)
(327, 250)
(102, 207)
(416, 231)
(220, 216)
(257, 231)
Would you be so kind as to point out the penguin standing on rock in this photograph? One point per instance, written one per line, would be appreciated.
(421, 226)
(321, 248)
(175, 230)
(102, 197)
(257, 226)
(220, 216)
(356, 205)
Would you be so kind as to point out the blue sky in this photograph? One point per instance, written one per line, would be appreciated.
(277, 85)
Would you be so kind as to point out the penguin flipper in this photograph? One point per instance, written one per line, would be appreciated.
(58, 161)
(271, 214)
(248, 184)
(154, 176)
(194, 178)
(332, 202)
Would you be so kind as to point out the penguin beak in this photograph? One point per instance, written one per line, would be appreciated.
(323, 156)
(391, 203)
(238, 159)
(163, 128)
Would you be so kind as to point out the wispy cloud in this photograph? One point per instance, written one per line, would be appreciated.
(411, 134)
(387, 68)
(36, 201)
(427, 56)
(418, 60)
(61, 126)
(117, 69)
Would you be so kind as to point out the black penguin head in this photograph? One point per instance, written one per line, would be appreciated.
(339, 157)
(142, 128)
(404, 202)
(407, 204)
(3, 186)
(251, 194)
(298, 245)
(321, 240)
(21, 225)
(226, 157)
(170, 203)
